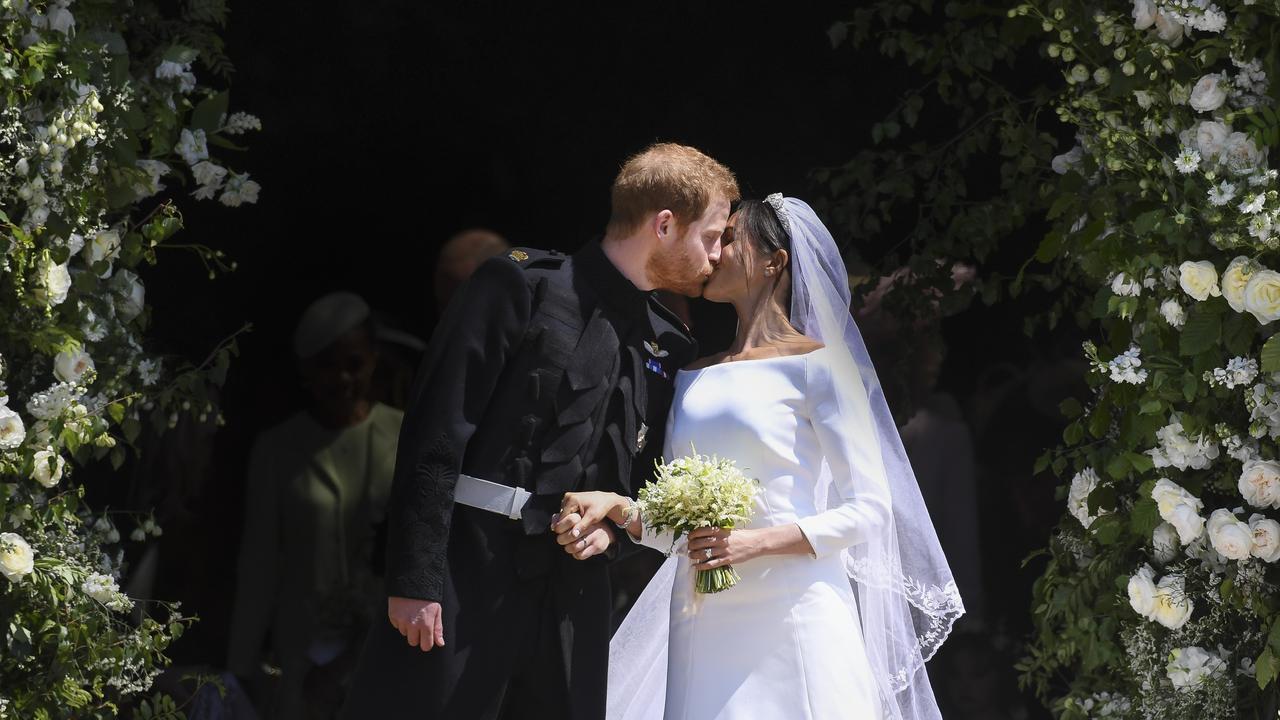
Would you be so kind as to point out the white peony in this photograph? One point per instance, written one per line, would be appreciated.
(1199, 279)
(16, 557)
(1211, 138)
(1082, 484)
(1142, 591)
(1172, 607)
(1241, 154)
(1209, 93)
(1164, 543)
(12, 431)
(1262, 296)
(1259, 483)
(103, 246)
(1189, 666)
(1173, 313)
(48, 467)
(1229, 536)
(1266, 538)
(1179, 508)
(1234, 281)
(55, 282)
(71, 365)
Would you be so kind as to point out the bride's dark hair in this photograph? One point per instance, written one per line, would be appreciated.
(759, 224)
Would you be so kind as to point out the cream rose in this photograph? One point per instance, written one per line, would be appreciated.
(16, 558)
(1209, 93)
(55, 282)
(1144, 14)
(1180, 509)
(1172, 607)
(1266, 538)
(1229, 536)
(1235, 279)
(1211, 138)
(71, 365)
(1199, 279)
(1173, 313)
(48, 467)
(1262, 296)
(1259, 483)
(1142, 591)
(12, 431)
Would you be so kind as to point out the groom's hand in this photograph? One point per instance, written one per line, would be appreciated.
(421, 622)
(581, 543)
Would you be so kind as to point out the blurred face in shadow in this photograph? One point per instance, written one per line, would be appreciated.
(687, 254)
(337, 378)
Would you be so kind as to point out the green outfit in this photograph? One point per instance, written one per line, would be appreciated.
(314, 497)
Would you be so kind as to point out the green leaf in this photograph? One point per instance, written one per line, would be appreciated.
(208, 114)
(1202, 331)
(1267, 668)
(1144, 518)
(1070, 408)
(1118, 467)
(1271, 355)
(1107, 529)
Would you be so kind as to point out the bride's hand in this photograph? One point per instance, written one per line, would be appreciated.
(713, 547)
(590, 508)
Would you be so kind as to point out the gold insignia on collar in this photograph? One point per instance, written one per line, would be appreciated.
(654, 350)
(519, 255)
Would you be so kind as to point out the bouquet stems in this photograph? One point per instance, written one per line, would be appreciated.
(716, 580)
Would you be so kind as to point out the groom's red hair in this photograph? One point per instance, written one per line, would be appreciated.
(667, 176)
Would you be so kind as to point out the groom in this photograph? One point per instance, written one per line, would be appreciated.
(547, 374)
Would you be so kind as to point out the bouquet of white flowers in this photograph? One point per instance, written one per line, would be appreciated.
(694, 492)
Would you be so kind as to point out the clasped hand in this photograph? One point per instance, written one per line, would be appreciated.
(582, 526)
(712, 547)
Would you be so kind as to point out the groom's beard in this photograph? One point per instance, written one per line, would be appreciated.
(678, 271)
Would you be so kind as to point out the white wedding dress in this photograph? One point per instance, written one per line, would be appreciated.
(786, 641)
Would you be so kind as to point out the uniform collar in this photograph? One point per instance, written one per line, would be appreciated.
(613, 287)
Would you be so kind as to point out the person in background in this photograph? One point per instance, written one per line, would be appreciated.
(459, 258)
(317, 485)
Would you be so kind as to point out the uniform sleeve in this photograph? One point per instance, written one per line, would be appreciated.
(859, 503)
(483, 325)
(258, 568)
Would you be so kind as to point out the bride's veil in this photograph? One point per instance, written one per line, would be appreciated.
(907, 598)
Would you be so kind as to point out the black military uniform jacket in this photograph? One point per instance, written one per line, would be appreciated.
(548, 372)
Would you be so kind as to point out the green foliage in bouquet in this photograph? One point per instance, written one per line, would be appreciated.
(100, 109)
(697, 491)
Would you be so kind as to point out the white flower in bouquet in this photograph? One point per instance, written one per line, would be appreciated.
(1144, 14)
(192, 146)
(1176, 449)
(1259, 483)
(1142, 591)
(1238, 372)
(1266, 538)
(149, 372)
(1211, 138)
(1127, 367)
(1168, 29)
(694, 492)
(179, 73)
(17, 560)
(1229, 536)
(1241, 154)
(240, 189)
(1083, 483)
(131, 294)
(1172, 607)
(71, 365)
(48, 467)
(1209, 93)
(1071, 159)
(1164, 543)
(1199, 279)
(1125, 286)
(1221, 194)
(12, 431)
(208, 174)
(1235, 279)
(104, 589)
(1253, 203)
(1264, 411)
(1189, 666)
(1240, 449)
(54, 281)
(1262, 296)
(1187, 161)
(103, 246)
(1179, 508)
(1173, 313)
(1260, 227)
(154, 170)
(240, 123)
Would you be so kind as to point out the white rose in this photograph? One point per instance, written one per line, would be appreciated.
(48, 467)
(1211, 137)
(1142, 591)
(16, 558)
(1164, 543)
(1168, 29)
(1179, 508)
(71, 365)
(1262, 296)
(1260, 483)
(1173, 313)
(1082, 484)
(1229, 535)
(1266, 538)
(1241, 154)
(1199, 279)
(1144, 14)
(1125, 286)
(1235, 279)
(12, 431)
(133, 295)
(1208, 94)
(75, 243)
(1172, 607)
(55, 281)
(102, 246)
(1188, 667)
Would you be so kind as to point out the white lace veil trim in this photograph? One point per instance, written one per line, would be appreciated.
(907, 598)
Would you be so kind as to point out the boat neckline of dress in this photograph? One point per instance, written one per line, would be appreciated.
(754, 360)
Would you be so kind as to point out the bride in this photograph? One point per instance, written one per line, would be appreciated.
(845, 592)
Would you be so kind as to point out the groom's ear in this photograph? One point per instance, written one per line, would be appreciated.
(664, 224)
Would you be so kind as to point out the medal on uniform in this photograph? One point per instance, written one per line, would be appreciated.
(655, 367)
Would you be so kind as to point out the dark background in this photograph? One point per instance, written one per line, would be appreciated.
(389, 126)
